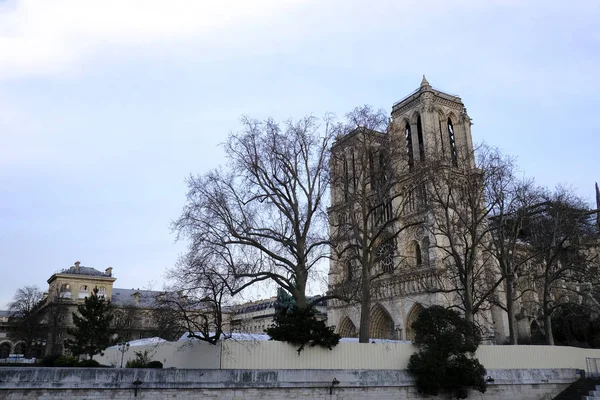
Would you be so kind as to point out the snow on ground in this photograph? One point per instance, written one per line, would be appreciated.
(261, 337)
(142, 342)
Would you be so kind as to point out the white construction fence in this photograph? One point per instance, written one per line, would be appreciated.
(249, 354)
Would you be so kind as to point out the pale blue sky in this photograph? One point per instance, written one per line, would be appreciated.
(106, 106)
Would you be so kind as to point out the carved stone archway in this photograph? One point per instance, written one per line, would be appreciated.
(410, 319)
(20, 348)
(347, 328)
(382, 324)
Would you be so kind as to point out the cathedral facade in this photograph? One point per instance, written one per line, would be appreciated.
(403, 269)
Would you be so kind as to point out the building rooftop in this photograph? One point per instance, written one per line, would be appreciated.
(78, 269)
(260, 305)
(128, 297)
(83, 271)
(425, 86)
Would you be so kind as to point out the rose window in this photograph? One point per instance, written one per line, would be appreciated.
(385, 255)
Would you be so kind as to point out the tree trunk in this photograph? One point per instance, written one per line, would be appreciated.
(510, 310)
(548, 330)
(365, 305)
(468, 299)
(547, 315)
(300, 295)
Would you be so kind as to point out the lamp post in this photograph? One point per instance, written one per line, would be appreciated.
(123, 347)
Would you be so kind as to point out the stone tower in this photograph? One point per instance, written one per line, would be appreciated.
(428, 124)
(433, 123)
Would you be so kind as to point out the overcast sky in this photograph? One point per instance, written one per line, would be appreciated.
(106, 106)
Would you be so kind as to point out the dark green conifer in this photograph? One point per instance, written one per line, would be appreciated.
(445, 362)
(299, 327)
(92, 330)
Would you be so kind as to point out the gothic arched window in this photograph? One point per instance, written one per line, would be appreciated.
(452, 143)
(354, 176)
(426, 251)
(420, 137)
(418, 257)
(409, 147)
(346, 178)
(382, 167)
(349, 271)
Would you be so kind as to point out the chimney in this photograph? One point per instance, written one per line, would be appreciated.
(77, 266)
(108, 271)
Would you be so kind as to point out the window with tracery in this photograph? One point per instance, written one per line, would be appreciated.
(385, 255)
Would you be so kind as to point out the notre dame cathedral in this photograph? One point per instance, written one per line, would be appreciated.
(427, 124)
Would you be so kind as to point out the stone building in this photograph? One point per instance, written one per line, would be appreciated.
(427, 124)
(68, 288)
(255, 316)
(8, 346)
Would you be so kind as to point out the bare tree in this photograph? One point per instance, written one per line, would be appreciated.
(368, 207)
(168, 324)
(261, 215)
(56, 311)
(26, 316)
(513, 201)
(126, 321)
(200, 305)
(564, 236)
(459, 211)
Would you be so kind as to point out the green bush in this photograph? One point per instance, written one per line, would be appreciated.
(445, 362)
(89, 364)
(135, 364)
(66, 361)
(140, 361)
(154, 364)
(50, 360)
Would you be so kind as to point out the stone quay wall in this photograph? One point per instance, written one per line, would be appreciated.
(113, 383)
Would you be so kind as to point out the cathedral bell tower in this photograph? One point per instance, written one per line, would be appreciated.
(435, 125)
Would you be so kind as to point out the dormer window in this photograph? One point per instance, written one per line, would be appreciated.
(83, 291)
(65, 291)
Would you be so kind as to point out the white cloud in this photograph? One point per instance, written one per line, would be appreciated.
(48, 36)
